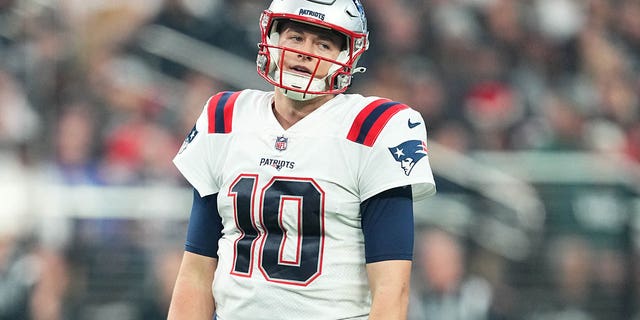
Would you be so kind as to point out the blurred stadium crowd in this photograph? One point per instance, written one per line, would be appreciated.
(83, 103)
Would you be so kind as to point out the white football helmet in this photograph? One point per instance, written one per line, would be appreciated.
(346, 17)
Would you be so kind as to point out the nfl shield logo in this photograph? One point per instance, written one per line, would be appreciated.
(281, 143)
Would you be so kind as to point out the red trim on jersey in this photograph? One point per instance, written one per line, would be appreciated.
(357, 123)
(220, 111)
(377, 127)
(298, 236)
(243, 233)
(371, 120)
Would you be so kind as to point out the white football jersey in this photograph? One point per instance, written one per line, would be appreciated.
(292, 246)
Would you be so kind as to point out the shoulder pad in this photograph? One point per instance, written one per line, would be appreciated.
(220, 111)
(371, 120)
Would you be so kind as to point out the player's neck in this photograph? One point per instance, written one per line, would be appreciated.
(288, 111)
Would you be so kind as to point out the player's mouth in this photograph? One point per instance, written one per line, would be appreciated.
(300, 69)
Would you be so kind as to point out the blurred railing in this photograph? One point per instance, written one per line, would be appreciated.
(197, 55)
(499, 211)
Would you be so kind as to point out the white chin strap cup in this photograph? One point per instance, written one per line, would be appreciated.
(300, 82)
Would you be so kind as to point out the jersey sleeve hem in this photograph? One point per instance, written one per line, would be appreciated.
(192, 177)
(200, 251)
(389, 257)
(421, 189)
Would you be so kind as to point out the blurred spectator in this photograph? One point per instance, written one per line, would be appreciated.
(74, 137)
(18, 275)
(164, 272)
(109, 266)
(443, 289)
(138, 148)
(571, 267)
(565, 123)
(19, 123)
(139, 152)
(632, 143)
(426, 92)
(505, 27)
(390, 32)
(454, 135)
(559, 20)
(492, 108)
(49, 298)
(611, 288)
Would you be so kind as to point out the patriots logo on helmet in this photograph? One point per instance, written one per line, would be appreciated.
(192, 135)
(409, 153)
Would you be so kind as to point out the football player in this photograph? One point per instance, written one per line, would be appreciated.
(302, 205)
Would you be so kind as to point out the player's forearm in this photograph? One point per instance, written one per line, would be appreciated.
(390, 303)
(191, 301)
(192, 296)
(390, 283)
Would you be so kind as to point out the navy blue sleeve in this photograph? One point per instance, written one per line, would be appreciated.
(205, 226)
(387, 224)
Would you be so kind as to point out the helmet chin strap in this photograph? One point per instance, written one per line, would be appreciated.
(301, 82)
(298, 96)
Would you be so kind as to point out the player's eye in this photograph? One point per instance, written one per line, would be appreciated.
(295, 37)
(325, 46)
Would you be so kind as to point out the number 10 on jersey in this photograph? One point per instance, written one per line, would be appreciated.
(288, 227)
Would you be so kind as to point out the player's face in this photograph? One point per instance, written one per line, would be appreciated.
(313, 40)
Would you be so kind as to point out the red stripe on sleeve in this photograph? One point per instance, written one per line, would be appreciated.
(377, 127)
(211, 111)
(357, 123)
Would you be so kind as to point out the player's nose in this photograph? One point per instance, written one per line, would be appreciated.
(304, 56)
(306, 49)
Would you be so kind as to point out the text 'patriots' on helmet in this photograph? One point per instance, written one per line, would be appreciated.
(342, 17)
